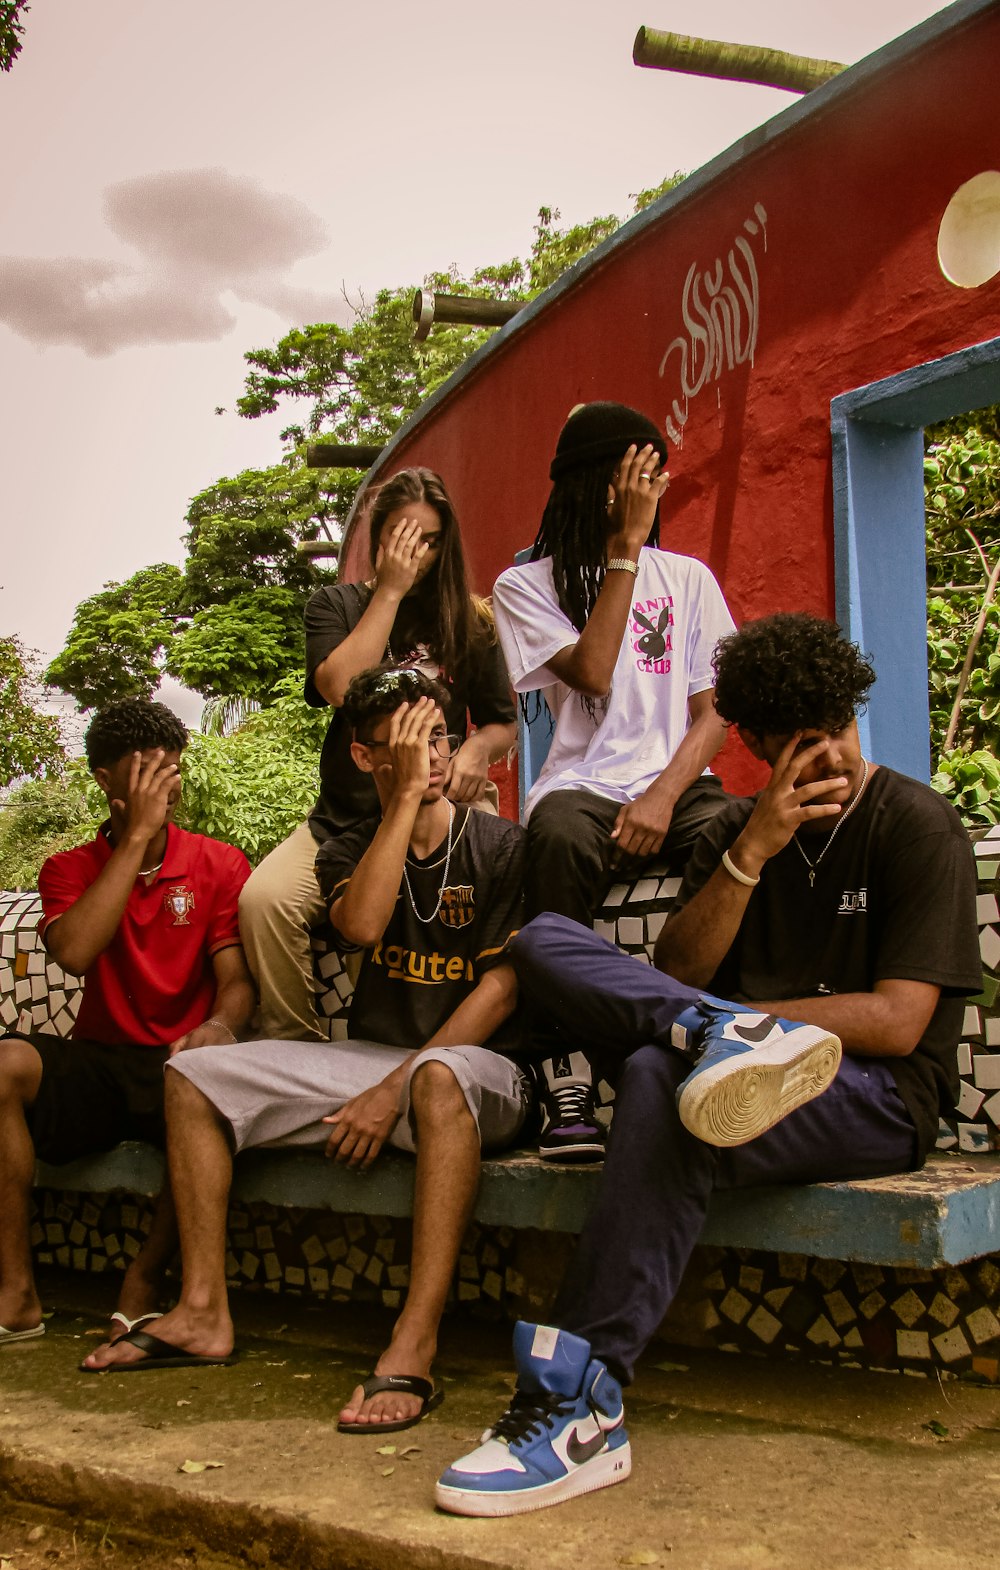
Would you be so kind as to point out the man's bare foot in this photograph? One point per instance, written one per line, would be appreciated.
(203, 1333)
(20, 1310)
(393, 1406)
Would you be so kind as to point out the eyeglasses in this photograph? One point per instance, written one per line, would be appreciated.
(444, 746)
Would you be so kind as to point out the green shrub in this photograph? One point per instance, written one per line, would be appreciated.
(250, 788)
(43, 816)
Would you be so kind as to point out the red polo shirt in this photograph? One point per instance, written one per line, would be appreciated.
(155, 980)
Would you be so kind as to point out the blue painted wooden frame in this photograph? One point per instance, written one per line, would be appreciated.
(878, 521)
(534, 735)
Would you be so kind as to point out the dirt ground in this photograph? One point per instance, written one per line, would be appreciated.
(32, 1539)
(738, 1463)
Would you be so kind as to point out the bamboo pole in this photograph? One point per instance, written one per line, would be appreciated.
(313, 548)
(465, 310)
(732, 62)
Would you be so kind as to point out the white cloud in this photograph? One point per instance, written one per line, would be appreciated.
(199, 233)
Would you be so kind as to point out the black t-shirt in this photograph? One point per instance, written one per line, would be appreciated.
(346, 795)
(894, 898)
(419, 973)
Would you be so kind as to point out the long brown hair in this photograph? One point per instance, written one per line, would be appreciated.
(440, 612)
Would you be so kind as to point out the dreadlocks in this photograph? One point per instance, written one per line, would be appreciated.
(574, 531)
(575, 521)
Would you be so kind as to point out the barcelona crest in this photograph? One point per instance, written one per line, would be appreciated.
(458, 905)
(179, 902)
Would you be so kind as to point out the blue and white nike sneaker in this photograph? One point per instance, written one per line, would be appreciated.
(563, 1433)
(753, 1070)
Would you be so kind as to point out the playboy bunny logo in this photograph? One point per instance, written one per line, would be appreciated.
(653, 644)
(651, 639)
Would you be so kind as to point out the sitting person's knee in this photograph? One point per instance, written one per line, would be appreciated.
(182, 1097)
(268, 901)
(552, 829)
(547, 924)
(435, 1092)
(256, 898)
(20, 1067)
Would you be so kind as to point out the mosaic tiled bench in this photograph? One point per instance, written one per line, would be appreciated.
(900, 1273)
(940, 1216)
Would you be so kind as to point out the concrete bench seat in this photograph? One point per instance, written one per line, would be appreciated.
(946, 1214)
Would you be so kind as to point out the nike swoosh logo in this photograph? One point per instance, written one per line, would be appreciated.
(578, 1451)
(756, 1032)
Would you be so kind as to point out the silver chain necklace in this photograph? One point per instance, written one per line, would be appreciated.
(812, 865)
(425, 920)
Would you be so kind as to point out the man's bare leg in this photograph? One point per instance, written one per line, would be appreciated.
(20, 1077)
(447, 1177)
(201, 1171)
(145, 1279)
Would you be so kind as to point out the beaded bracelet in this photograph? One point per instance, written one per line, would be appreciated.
(623, 564)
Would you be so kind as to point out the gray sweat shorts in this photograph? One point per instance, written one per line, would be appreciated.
(276, 1093)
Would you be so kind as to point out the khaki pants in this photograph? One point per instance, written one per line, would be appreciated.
(280, 904)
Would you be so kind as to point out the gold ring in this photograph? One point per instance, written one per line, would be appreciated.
(645, 476)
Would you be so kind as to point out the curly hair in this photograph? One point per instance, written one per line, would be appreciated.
(790, 672)
(439, 611)
(376, 693)
(132, 725)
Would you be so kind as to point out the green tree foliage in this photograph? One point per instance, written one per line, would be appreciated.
(241, 647)
(118, 641)
(231, 621)
(253, 786)
(43, 816)
(245, 585)
(962, 489)
(11, 30)
(243, 532)
(30, 745)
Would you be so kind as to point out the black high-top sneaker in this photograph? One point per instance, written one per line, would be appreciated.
(570, 1131)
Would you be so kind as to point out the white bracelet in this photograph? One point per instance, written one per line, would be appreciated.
(220, 1024)
(734, 872)
(622, 564)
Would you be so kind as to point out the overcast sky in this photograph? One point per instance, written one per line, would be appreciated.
(185, 181)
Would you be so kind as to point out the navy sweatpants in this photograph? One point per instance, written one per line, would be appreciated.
(658, 1178)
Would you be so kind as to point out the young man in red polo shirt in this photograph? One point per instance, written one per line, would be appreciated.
(147, 913)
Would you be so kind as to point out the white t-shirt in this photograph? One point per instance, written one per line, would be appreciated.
(678, 616)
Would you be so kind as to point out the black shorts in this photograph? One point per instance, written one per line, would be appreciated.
(93, 1096)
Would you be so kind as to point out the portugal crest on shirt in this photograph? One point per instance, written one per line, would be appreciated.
(458, 905)
(179, 902)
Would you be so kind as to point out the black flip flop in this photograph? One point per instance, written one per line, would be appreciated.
(411, 1385)
(159, 1354)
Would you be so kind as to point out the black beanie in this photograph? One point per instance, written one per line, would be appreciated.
(597, 431)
